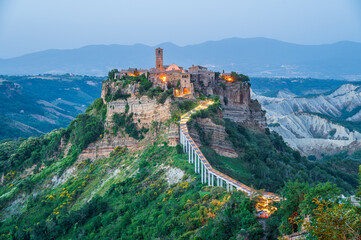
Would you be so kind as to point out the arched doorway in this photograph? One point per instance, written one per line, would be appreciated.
(185, 90)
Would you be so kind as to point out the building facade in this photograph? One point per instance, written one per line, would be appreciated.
(173, 76)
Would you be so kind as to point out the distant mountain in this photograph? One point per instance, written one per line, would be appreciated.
(252, 56)
(34, 105)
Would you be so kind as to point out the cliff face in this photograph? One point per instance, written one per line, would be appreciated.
(238, 105)
(147, 113)
(215, 135)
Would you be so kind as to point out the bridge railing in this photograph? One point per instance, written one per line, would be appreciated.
(209, 175)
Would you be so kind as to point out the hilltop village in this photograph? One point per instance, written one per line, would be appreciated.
(165, 153)
(140, 99)
(173, 76)
(153, 95)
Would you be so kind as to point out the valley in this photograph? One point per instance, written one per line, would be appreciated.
(191, 120)
(321, 124)
(35, 105)
(119, 164)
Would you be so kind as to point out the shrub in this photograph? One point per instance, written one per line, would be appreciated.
(85, 129)
(119, 95)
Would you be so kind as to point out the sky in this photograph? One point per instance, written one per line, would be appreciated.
(29, 26)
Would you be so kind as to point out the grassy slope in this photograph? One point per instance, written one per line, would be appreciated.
(124, 196)
(266, 162)
(112, 198)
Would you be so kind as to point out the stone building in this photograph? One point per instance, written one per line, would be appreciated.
(173, 76)
(130, 72)
(159, 59)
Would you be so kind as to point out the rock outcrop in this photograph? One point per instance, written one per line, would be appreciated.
(216, 137)
(147, 113)
(238, 105)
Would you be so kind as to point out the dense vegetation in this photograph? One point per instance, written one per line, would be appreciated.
(239, 77)
(144, 88)
(140, 204)
(128, 200)
(153, 193)
(266, 162)
(125, 121)
(320, 210)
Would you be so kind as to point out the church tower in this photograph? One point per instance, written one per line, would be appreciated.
(159, 59)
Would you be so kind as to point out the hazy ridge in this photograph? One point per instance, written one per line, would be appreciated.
(252, 56)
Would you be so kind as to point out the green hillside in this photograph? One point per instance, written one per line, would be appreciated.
(266, 162)
(34, 105)
(110, 197)
(147, 193)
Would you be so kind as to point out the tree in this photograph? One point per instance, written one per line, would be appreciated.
(239, 77)
(294, 193)
(111, 74)
(235, 76)
(334, 220)
(321, 191)
(243, 78)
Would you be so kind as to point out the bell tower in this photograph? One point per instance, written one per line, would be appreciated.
(159, 59)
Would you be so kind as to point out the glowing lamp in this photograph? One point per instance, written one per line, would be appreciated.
(164, 79)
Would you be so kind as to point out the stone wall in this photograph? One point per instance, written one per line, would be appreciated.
(145, 110)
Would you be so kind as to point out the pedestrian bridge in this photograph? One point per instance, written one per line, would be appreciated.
(211, 176)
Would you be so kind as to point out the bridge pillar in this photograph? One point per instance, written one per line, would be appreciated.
(195, 161)
(198, 163)
(192, 149)
(227, 184)
(182, 138)
(189, 153)
(185, 144)
(209, 178)
(205, 173)
(202, 173)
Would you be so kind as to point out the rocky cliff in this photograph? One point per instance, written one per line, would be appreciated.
(147, 114)
(237, 104)
(214, 134)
